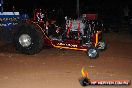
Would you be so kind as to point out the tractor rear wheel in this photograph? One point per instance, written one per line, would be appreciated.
(28, 40)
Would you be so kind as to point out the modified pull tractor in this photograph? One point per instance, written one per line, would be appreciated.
(77, 34)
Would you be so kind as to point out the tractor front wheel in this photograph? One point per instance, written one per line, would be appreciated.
(92, 52)
(102, 46)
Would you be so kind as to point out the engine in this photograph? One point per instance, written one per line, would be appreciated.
(75, 25)
(82, 29)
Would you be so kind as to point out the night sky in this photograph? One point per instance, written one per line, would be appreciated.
(65, 3)
(68, 5)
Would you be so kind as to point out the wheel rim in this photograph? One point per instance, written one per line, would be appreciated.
(92, 53)
(102, 45)
(25, 40)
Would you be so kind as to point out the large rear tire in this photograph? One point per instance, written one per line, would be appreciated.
(28, 39)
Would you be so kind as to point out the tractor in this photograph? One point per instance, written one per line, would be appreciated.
(30, 35)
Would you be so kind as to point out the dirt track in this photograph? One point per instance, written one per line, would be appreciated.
(54, 68)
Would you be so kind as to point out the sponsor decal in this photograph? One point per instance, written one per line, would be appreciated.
(67, 45)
